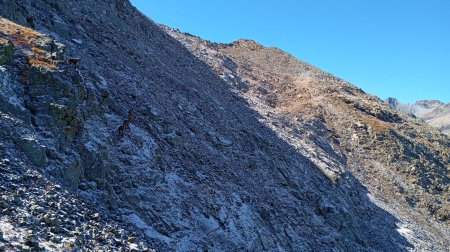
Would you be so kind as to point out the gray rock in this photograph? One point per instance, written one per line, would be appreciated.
(72, 170)
(61, 28)
(6, 52)
(35, 151)
(77, 41)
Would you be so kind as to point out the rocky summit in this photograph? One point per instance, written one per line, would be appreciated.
(119, 134)
(432, 112)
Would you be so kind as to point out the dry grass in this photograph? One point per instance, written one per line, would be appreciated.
(41, 58)
(378, 126)
(37, 62)
(18, 34)
(26, 39)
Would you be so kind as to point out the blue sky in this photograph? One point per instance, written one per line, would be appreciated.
(398, 48)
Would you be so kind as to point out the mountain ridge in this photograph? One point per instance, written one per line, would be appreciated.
(432, 112)
(156, 139)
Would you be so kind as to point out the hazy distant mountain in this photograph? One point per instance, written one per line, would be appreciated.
(433, 112)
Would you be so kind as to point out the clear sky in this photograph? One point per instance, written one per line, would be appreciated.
(398, 48)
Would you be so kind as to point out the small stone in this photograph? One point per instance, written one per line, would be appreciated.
(112, 203)
(55, 239)
(17, 199)
(6, 161)
(131, 239)
(24, 248)
(225, 142)
(68, 244)
(96, 216)
(51, 221)
(32, 241)
(52, 153)
(39, 209)
(3, 204)
(77, 41)
(134, 247)
(21, 191)
(91, 185)
(82, 186)
(154, 114)
(143, 247)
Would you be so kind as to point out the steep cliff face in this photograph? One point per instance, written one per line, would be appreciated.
(434, 113)
(116, 135)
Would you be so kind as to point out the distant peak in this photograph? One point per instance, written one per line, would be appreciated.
(429, 102)
(425, 103)
(393, 102)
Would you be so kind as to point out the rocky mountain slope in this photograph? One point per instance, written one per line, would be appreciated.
(121, 134)
(435, 113)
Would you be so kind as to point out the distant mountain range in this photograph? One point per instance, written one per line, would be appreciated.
(433, 112)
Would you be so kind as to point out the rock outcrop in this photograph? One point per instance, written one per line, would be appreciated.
(121, 134)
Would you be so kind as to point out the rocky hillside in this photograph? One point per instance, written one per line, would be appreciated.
(121, 134)
(435, 113)
(341, 129)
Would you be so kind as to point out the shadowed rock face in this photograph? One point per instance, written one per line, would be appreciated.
(119, 135)
(434, 113)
